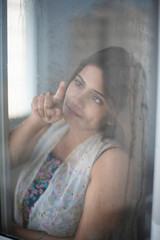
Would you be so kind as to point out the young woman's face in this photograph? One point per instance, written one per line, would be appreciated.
(84, 105)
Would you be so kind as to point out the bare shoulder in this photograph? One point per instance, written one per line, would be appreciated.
(110, 175)
(111, 160)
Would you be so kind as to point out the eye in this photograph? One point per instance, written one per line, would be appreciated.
(97, 99)
(78, 83)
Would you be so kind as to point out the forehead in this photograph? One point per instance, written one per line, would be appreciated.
(93, 77)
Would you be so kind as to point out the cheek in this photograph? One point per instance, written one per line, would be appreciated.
(96, 116)
(102, 116)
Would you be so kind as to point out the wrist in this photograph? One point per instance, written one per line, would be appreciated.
(36, 123)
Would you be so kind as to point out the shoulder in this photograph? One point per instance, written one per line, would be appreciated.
(110, 173)
(111, 158)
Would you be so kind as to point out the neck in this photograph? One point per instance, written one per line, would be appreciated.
(78, 135)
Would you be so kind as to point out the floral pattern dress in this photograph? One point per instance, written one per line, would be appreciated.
(38, 186)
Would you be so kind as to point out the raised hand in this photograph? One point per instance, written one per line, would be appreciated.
(47, 108)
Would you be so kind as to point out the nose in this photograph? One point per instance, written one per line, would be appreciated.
(80, 100)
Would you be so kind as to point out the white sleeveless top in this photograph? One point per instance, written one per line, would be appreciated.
(59, 208)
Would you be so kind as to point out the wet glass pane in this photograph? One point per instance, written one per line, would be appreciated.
(47, 40)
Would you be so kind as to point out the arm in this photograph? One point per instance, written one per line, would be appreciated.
(28, 234)
(46, 109)
(23, 140)
(104, 202)
(105, 197)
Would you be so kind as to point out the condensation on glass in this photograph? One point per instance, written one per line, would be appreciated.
(46, 42)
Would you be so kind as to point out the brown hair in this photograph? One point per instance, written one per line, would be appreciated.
(120, 77)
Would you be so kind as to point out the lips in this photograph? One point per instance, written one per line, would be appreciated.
(71, 111)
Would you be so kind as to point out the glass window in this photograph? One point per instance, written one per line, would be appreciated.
(47, 40)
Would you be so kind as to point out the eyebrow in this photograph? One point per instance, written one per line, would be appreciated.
(81, 78)
(99, 93)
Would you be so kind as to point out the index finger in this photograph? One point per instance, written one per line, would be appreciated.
(58, 97)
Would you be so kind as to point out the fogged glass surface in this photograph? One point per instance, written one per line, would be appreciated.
(46, 42)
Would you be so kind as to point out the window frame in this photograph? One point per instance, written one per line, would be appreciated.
(5, 193)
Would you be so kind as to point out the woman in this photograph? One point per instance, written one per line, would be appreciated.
(74, 184)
